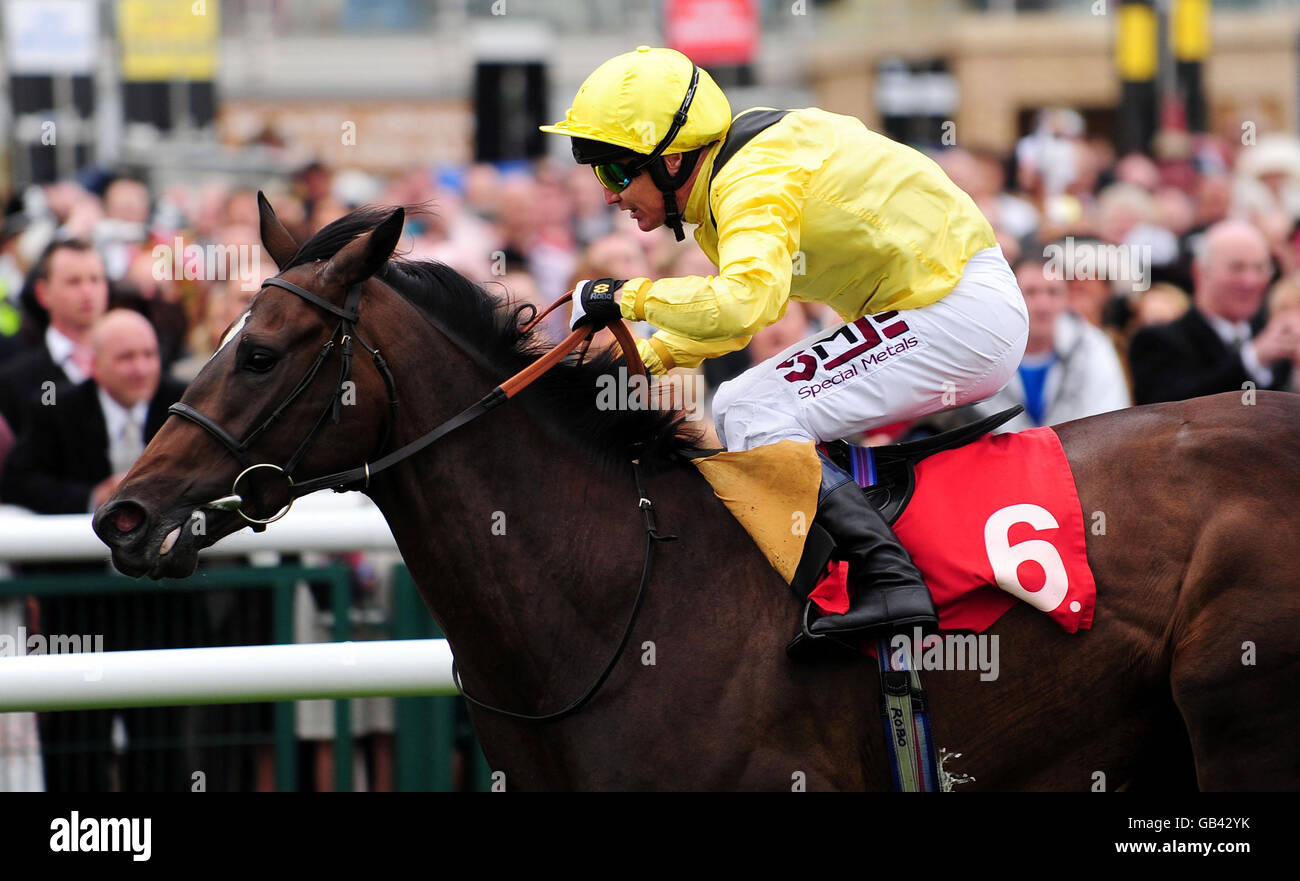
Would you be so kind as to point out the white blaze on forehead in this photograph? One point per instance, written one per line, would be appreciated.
(232, 333)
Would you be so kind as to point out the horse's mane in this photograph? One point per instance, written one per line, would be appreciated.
(491, 327)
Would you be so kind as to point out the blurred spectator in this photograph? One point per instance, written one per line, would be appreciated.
(518, 287)
(125, 225)
(1090, 294)
(591, 216)
(1284, 296)
(776, 338)
(618, 255)
(547, 252)
(1159, 304)
(13, 269)
(1278, 230)
(69, 293)
(155, 299)
(71, 456)
(1126, 216)
(1284, 299)
(1070, 369)
(1017, 216)
(75, 452)
(1138, 170)
(1211, 348)
(311, 184)
(482, 188)
(1174, 210)
(225, 302)
(1268, 177)
(1048, 158)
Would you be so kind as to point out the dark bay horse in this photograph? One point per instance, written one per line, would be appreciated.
(523, 533)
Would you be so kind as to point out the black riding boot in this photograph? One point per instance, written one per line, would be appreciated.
(886, 591)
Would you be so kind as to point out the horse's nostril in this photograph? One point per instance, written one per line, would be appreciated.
(127, 517)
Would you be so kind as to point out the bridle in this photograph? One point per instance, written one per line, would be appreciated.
(344, 333)
(344, 481)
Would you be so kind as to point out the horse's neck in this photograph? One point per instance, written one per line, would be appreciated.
(516, 542)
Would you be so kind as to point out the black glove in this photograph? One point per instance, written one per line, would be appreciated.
(596, 303)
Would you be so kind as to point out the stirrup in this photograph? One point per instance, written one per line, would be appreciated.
(809, 646)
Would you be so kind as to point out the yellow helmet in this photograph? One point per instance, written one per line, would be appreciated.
(650, 102)
(632, 100)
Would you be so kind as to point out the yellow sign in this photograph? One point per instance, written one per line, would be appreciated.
(1191, 29)
(168, 39)
(1135, 43)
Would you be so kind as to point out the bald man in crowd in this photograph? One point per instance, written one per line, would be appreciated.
(1218, 346)
(82, 440)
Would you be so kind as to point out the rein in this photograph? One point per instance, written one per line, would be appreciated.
(343, 481)
(652, 535)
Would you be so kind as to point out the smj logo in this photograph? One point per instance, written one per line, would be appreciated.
(853, 349)
(194, 262)
(674, 391)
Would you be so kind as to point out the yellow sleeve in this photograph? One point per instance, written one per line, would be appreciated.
(758, 206)
(664, 351)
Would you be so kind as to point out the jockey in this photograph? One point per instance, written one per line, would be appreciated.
(813, 206)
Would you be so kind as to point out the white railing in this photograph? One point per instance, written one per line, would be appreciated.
(324, 522)
(236, 674)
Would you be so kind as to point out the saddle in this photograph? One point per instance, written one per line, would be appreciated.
(893, 471)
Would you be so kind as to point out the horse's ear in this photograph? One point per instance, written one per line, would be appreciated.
(365, 255)
(275, 238)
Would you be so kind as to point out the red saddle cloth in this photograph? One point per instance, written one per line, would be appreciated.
(989, 524)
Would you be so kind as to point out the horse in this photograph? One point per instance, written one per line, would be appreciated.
(525, 531)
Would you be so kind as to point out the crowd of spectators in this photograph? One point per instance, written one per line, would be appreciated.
(1147, 277)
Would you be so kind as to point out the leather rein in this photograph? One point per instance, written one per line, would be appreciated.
(344, 481)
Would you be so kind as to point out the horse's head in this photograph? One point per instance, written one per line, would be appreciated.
(281, 391)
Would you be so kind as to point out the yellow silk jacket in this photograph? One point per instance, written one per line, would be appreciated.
(816, 207)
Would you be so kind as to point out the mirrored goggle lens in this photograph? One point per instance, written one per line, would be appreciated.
(613, 176)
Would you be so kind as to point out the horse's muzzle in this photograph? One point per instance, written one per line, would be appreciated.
(142, 544)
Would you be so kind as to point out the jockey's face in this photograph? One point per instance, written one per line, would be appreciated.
(643, 199)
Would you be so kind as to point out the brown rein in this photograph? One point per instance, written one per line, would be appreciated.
(579, 338)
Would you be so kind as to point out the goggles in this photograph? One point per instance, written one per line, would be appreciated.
(615, 176)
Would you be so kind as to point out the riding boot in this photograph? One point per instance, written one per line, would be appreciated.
(886, 591)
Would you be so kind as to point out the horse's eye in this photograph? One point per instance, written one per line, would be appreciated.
(260, 362)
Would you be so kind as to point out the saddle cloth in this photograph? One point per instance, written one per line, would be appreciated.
(988, 523)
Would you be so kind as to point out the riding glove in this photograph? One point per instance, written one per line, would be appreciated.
(595, 303)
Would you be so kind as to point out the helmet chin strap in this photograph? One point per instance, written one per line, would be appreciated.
(669, 184)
